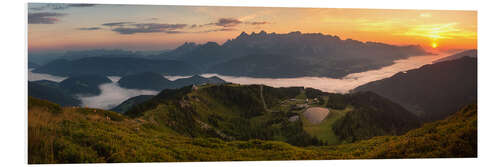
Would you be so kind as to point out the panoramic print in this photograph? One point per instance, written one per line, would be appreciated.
(159, 83)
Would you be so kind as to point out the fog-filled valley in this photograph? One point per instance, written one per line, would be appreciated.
(112, 94)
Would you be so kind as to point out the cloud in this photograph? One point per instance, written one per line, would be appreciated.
(439, 31)
(220, 29)
(117, 24)
(36, 8)
(196, 26)
(81, 5)
(227, 22)
(174, 32)
(89, 28)
(60, 6)
(44, 17)
(232, 22)
(257, 22)
(149, 28)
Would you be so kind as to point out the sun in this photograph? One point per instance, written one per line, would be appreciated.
(434, 45)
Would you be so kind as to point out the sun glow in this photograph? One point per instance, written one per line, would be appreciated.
(434, 45)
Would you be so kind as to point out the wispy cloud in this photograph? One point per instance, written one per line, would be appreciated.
(149, 28)
(218, 29)
(111, 24)
(227, 22)
(222, 24)
(81, 5)
(232, 22)
(257, 22)
(439, 31)
(89, 28)
(60, 6)
(44, 17)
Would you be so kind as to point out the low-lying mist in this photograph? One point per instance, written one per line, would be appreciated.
(343, 85)
(112, 94)
(39, 76)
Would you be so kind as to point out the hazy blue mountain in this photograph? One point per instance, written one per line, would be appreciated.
(314, 54)
(204, 55)
(145, 80)
(79, 54)
(155, 81)
(127, 104)
(115, 66)
(84, 84)
(44, 57)
(32, 65)
(432, 91)
(470, 53)
(185, 48)
(51, 93)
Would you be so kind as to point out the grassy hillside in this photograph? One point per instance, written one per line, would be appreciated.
(225, 111)
(80, 135)
(127, 104)
(373, 116)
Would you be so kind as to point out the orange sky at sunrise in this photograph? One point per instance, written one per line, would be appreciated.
(77, 28)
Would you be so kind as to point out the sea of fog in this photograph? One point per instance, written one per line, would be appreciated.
(39, 76)
(342, 85)
(112, 94)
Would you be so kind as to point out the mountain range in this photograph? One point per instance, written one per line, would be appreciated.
(262, 54)
(115, 66)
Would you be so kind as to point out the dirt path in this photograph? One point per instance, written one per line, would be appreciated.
(262, 98)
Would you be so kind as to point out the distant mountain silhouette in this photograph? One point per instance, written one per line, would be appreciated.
(262, 54)
(48, 91)
(115, 66)
(314, 54)
(185, 48)
(470, 53)
(433, 91)
(32, 65)
(84, 84)
(155, 81)
(65, 92)
(79, 54)
(146, 80)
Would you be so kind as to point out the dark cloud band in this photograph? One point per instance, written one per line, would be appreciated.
(149, 28)
(44, 17)
(89, 28)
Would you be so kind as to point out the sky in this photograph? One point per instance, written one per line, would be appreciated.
(54, 26)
